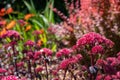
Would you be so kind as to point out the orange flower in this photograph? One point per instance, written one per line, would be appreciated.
(39, 43)
(11, 24)
(28, 28)
(41, 31)
(3, 31)
(3, 22)
(2, 12)
(9, 10)
(28, 16)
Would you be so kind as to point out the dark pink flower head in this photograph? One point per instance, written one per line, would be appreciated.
(11, 77)
(39, 69)
(108, 77)
(113, 61)
(93, 38)
(37, 32)
(64, 51)
(79, 56)
(2, 70)
(97, 49)
(89, 38)
(21, 22)
(101, 62)
(30, 54)
(11, 34)
(37, 55)
(73, 60)
(118, 54)
(109, 43)
(29, 43)
(46, 51)
(64, 64)
(99, 77)
(118, 74)
(20, 64)
(74, 47)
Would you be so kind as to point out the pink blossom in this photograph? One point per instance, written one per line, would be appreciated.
(113, 61)
(58, 54)
(118, 74)
(20, 64)
(64, 64)
(97, 49)
(11, 77)
(46, 51)
(39, 69)
(11, 34)
(2, 70)
(29, 43)
(99, 77)
(108, 77)
(64, 51)
(37, 54)
(79, 56)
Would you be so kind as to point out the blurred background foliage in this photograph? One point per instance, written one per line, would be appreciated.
(40, 5)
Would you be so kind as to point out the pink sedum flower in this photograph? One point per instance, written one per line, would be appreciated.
(97, 49)
(63, 52)
(46, 51)
(2, 70)
(29, 43)
(118, 74)
(11, 77)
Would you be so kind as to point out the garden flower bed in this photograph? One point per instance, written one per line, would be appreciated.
(83, 46)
